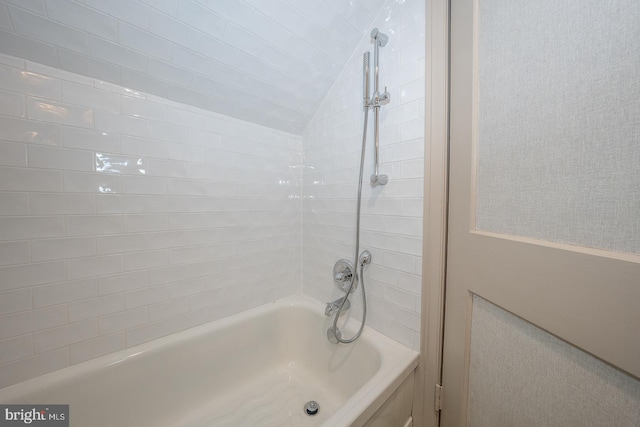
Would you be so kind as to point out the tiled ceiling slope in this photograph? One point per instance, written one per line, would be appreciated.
(266, 61)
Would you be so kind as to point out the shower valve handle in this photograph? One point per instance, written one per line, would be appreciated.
(343, 276)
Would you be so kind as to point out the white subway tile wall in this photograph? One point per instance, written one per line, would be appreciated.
(231, 57)
(392, 214)
(125, 217)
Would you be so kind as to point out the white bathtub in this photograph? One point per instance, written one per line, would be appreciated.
(255, 368)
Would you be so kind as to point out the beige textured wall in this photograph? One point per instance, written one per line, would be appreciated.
(521, 376)
(559, 121)
(559, 124)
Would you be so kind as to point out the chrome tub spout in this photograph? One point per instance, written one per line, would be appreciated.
(332, 307)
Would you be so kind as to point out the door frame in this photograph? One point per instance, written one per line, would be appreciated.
(436, 163)
(435, 211)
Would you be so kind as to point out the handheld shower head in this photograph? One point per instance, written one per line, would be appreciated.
(378, 37)
(365, 79)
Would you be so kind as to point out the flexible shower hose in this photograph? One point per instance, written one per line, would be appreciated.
(354, 277)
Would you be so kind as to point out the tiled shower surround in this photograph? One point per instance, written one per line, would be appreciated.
(391, 227)
(125, 216)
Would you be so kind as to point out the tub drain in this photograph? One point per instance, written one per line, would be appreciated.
(311, 408)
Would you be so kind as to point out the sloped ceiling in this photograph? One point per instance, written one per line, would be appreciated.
(270, 62)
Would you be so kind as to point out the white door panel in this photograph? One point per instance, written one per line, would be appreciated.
(544, 192)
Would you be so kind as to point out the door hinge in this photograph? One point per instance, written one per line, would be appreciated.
(438, 398)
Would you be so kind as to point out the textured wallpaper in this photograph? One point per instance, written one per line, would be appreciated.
(559, 121)
(522, 376)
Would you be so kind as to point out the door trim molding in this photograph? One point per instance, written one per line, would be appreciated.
(435, 210)
(620, 256)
